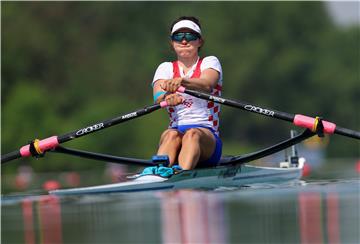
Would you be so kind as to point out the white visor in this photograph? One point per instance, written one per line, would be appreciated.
(186, 24)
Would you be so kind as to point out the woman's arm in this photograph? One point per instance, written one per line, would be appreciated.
(206, 82)
(160, 94)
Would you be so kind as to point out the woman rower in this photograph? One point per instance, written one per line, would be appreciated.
(192, 138)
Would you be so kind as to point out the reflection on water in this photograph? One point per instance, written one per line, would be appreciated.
(190, 216)
(317, 212)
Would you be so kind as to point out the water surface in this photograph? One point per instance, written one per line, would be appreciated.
(319, 210)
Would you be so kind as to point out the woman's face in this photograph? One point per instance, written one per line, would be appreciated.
(185, 48)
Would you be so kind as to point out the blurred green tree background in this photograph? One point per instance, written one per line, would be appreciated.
(66, 65)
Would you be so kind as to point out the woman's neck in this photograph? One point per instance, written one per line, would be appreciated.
(188, 62)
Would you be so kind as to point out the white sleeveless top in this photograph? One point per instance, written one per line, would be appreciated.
(193, 111)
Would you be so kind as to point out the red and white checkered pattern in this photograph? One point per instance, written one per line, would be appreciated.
(214, 108)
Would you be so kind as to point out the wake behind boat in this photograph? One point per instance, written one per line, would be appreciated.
(207, 178)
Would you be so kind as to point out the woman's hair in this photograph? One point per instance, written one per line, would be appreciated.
(193, 19)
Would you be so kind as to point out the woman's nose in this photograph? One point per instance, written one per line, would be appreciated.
(183, 41)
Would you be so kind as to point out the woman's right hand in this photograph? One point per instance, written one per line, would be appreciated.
(174, 99)
(171, 85)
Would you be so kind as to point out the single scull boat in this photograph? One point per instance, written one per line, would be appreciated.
(230, 172)
(207, 178)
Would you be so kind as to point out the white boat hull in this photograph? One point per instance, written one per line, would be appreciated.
(209, 178)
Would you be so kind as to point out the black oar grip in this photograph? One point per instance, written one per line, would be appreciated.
(10, 156)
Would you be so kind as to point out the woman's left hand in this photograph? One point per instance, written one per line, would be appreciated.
(171, 85)
(174, 99)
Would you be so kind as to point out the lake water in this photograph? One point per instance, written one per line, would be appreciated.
(322, 209)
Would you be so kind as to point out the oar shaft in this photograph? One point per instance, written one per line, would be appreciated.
(103, 157)
(347, 132)
(108, 123)
(41, 146)
(10, 156)
(242, 105)
(298, 119)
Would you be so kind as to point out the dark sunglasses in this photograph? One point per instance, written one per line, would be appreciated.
(188, 36)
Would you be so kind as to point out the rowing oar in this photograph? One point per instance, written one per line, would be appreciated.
(39, 147)
(297, 119)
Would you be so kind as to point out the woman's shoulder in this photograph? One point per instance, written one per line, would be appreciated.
(165, 64)
(211, 59)
(211, 62)
(165, 67)
(163, 71)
